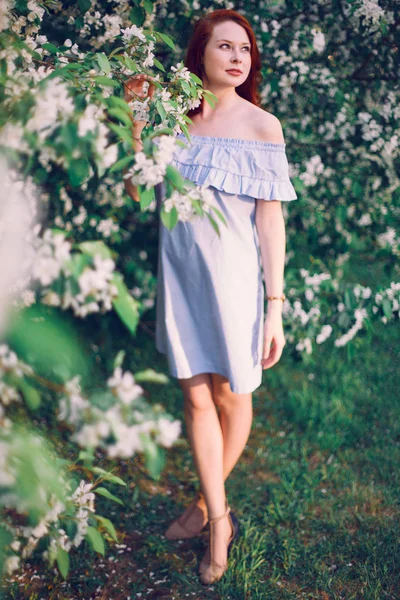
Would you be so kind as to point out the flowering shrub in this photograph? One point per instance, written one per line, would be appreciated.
(119, 421)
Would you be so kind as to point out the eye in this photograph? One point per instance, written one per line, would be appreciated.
(225, 44)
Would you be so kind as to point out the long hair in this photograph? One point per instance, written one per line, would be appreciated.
(195, 52)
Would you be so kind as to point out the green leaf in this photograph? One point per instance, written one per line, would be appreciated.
(187, 119)
(348, 298)
(158, 64)
(129, 63)
(121, 115)
(196, 79)
(116, 50)
(197, 207)
(357, 189)
(137, 16)
(96, 539)
(165, 131)
(119, 359)
(84, 5)
(166, 39)
(186, 87)
(161, 110)
(114, 101)
(72, 66)
(219, 214)
(50, 48)
(185, 131)
(146, 196)
(213, 223)
(69, 135)
(298, 184)
(95, 248)
(103, 62)
(148, 6)
(76, 265)
(174, 177)
(387, 308)
(125, 305)
(103, 80)
(101, 491)
(107, 475)
(122, 163)
(31, 394)
(151, 376)
(86, 455)
(210, 101)
(124, 133)
(43, 337)
(209, 93)
(109, 526)
(154, 458)
(169, 219)
(78, 171)
(63, 561)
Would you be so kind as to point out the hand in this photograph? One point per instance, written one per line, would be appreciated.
(134, 87)
(274, 339)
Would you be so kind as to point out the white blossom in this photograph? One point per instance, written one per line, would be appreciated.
(83, 496)
(53, 106)
(324, 334)
(125, 386)
(318, 40)
(169, 431)
(133, 31)
(12, 564)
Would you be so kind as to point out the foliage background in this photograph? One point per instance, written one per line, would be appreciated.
(331, 77)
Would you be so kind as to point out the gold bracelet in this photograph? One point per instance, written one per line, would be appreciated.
(277, 297)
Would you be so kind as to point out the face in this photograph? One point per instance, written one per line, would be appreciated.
(228, 48)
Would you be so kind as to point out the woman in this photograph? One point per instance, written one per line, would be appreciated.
(210, 303)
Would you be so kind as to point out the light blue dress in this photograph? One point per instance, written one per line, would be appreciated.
(210, 292)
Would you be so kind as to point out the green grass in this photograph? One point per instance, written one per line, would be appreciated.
(316, 492)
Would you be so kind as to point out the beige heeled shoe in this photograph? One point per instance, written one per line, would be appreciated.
(178, 530)
(212, 572)
(205, 561)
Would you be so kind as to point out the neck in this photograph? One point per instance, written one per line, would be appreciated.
(227, 98)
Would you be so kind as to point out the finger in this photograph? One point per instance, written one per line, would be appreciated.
(267, 347)
(274, 357)
(270, 346)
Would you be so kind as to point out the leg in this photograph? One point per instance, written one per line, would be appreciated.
(205, 435)
(236, 414)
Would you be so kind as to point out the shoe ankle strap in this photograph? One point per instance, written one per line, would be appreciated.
(215, 519)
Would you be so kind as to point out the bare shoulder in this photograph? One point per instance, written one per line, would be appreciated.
(265, 126)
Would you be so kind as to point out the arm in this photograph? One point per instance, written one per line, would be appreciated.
(135, 85)
(271, 232)
(270, 225)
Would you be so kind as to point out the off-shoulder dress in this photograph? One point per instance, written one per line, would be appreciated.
(210, 293)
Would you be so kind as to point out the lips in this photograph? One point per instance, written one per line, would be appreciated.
(234, 71)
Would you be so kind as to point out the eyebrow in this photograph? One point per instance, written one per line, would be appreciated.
(247, 43)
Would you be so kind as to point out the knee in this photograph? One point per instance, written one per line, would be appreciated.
(228, 401)
(198, 401)
(224, 400)
(197, 393)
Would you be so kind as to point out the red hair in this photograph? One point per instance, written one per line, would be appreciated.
(195, 52)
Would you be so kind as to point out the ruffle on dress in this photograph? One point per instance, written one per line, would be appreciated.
(249, 167)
